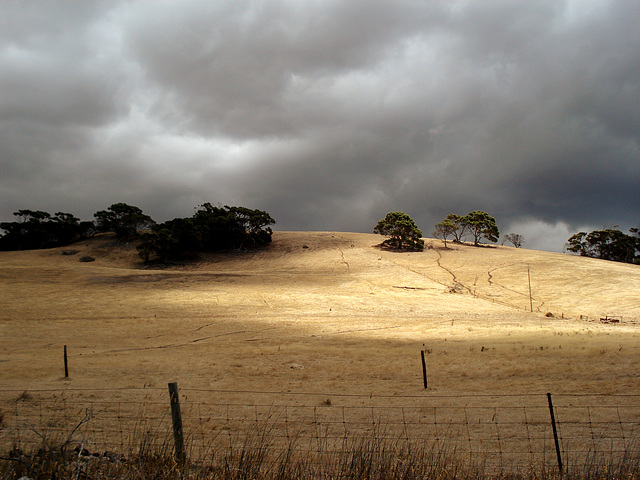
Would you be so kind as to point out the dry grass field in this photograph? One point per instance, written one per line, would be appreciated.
(318, 327)
(322, 312)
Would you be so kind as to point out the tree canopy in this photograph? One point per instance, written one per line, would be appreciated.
(445, 229)
(461, 228)
(477, 224)
(481, 225)
(211, 229)
(402, 231)
(232, 228)
(608, 244)
(174, 239)
(38, 229)
(126, 221)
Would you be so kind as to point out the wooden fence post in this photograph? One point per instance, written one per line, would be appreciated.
(555, 432)
(424, 369)
(530, 296)
(66, 365)
(176, 419)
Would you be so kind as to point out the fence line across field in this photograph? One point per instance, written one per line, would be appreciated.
(494, 429)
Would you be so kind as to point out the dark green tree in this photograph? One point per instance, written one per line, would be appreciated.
(609, 244)
(218, 228)
(478, 224)
(126, 221)
(64, 229)
(402, 231)
(445, 229)
(233, 228)
(172, 240)
(461, 228)
(255, 224)
(481, 225)
(28, 233)
(211, 229)
(37, 229)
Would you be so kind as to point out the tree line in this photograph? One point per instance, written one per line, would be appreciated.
(404, 234)
(225, 228)
(210, 229)
(476, 226)
(608, 244)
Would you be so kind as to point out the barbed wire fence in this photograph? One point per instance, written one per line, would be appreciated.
(499, 431)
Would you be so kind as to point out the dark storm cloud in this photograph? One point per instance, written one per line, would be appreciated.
(327, 114)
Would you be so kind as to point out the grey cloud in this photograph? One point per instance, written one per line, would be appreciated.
(327, 114)
(57, 67)
(245, 69)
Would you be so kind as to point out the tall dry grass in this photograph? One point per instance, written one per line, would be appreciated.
(259, 455)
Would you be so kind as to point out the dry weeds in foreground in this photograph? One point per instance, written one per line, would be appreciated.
(363, 458)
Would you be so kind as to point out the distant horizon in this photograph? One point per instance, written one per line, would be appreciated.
(276, 227)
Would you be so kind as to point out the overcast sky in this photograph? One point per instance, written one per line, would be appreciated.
(326, 113)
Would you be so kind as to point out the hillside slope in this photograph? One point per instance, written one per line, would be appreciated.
(560, 284)
(320, 305)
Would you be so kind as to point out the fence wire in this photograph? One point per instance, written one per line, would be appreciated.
(501, 431)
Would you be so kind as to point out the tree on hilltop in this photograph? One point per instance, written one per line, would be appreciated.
(38, 229)
(478, 224)
(481, 225)
(515, 239)
(609, 244)
(211, 229)
(445, 229)
(233, 228)
(402, 231)
(461, 228)
(174, 239)
(126, 221)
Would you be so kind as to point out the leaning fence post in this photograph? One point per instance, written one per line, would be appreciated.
(530, 296)
(555, 432)
(176, 418)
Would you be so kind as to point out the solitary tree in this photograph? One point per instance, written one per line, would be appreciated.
(514, 238)
(402, 231)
